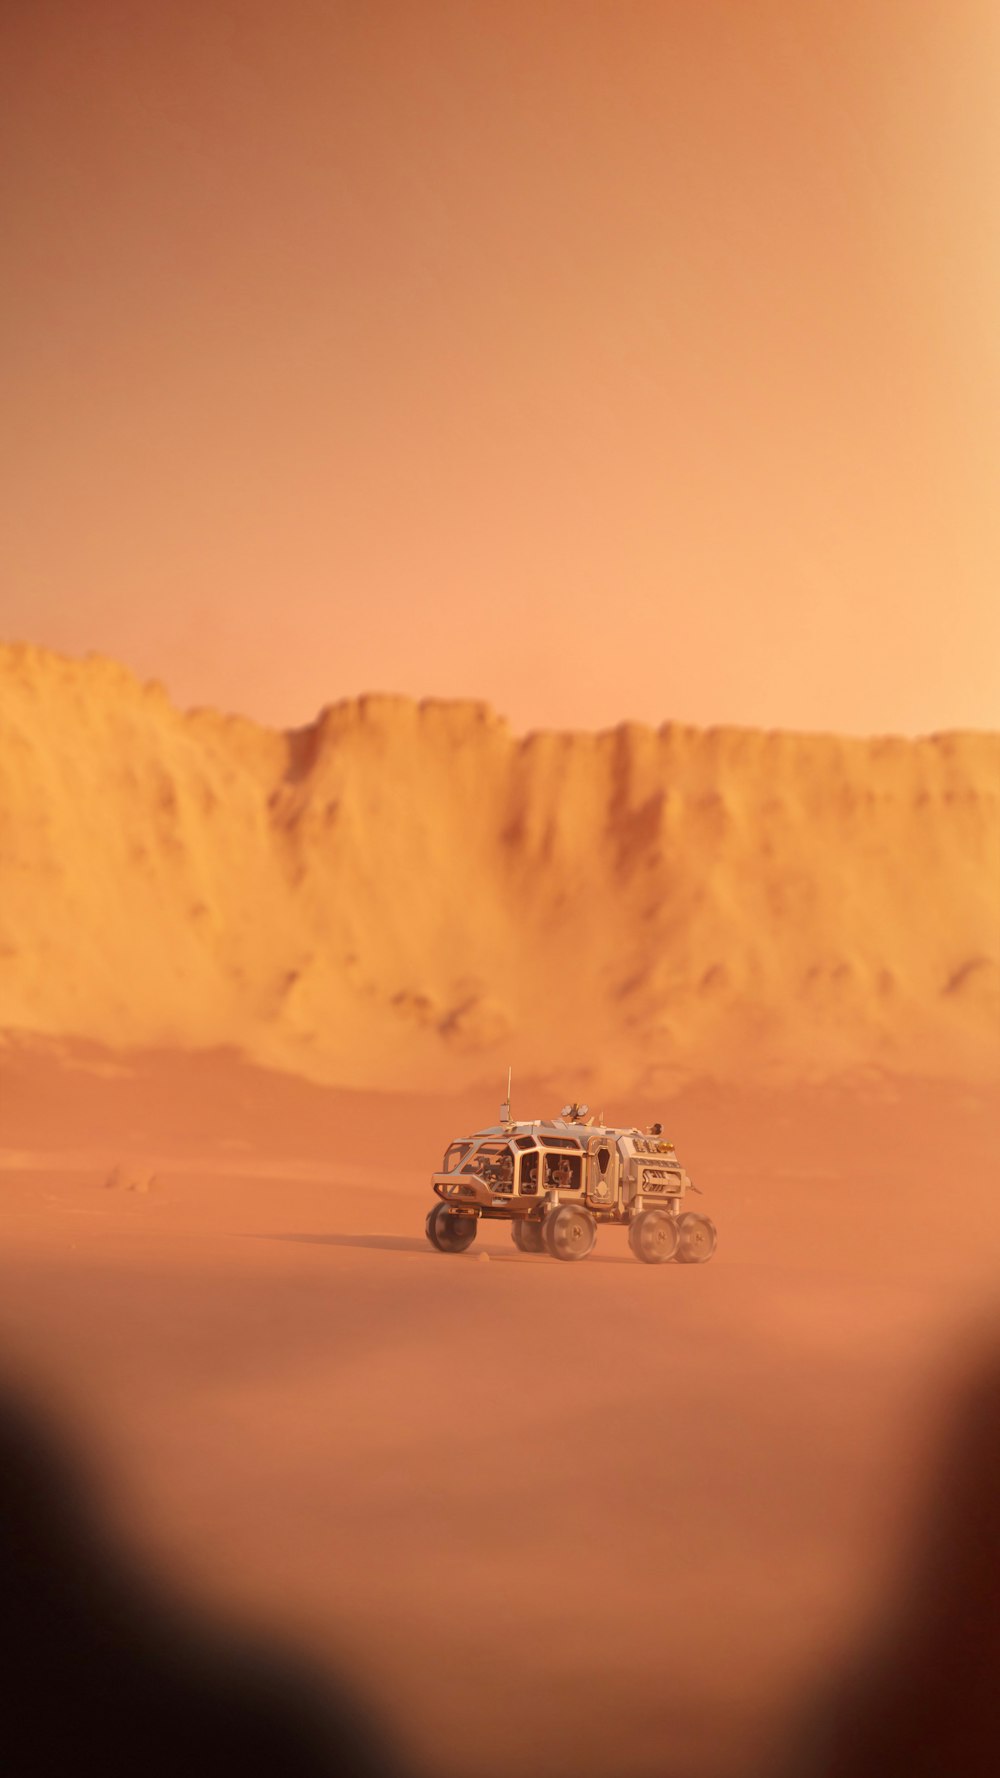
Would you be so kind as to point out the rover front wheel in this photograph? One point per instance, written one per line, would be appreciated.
(568, 1232)
(697, 1239)
(527, 1236)
(449, 1231)
(653, 1237)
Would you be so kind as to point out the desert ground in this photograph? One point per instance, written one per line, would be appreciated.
(598, 1518)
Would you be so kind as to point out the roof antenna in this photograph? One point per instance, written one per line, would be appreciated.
(505, 1117)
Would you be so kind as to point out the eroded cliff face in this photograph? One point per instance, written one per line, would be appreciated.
(406, 892)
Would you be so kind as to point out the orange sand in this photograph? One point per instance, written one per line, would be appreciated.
(595, 1518)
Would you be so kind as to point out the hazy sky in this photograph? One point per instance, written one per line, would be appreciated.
(600, 360)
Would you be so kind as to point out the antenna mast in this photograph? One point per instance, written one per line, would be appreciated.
(505, 1117)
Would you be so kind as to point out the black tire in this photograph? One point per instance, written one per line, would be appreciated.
(527, 1236)
(653, 1237)
(448, 1230)
(568, 1232)
(698, 1237)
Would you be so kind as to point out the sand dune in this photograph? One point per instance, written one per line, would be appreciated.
(409, 892)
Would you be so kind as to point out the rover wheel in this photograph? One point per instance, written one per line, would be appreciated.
(527, 1236)
(653, 1237)
(568, 1232)
(448, 1231)
(697, 1239)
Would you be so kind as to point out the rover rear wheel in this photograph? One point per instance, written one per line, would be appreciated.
(449, 1231)
(697, 1239)
(527, 1236)
(653, 1237)
(568, 1232)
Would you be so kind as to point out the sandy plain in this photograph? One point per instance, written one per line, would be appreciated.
(598, 1517)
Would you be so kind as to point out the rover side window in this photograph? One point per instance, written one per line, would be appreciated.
(503, 1171)
(603, 1157)
(454, 1154)
(529, 1174)
(562, 1172)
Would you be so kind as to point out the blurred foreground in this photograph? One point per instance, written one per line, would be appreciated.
(104, 1671)
(595, 1519)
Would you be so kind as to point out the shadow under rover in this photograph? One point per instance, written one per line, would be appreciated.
(419, 1244)
(379, 1243)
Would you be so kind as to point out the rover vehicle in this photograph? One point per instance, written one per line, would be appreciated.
(557, 1181)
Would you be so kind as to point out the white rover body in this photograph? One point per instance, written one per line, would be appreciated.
(555, 1181)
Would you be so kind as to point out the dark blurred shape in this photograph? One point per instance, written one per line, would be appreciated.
(102, 1671)
(923, 1700)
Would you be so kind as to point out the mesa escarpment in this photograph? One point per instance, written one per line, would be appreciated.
(407, 892)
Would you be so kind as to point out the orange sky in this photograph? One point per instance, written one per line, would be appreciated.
(600, 360)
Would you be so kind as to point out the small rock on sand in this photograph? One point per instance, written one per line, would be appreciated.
(130, 1179)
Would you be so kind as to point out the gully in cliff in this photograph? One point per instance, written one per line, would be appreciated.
(555, 1181)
